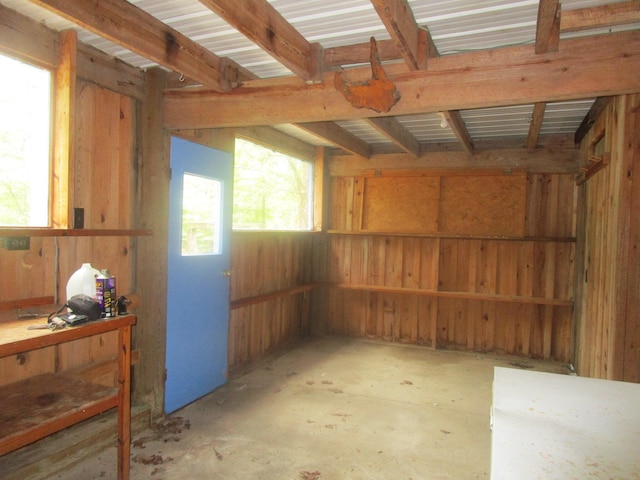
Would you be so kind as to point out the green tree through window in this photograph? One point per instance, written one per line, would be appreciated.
(25, 98)
(272, 191)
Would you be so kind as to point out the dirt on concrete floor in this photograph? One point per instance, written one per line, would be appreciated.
(331, 408)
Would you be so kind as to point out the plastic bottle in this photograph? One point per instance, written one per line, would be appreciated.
(83, 280)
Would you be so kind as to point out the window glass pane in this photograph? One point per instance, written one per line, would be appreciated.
(201, 202)
(271, 190)
(25, 117)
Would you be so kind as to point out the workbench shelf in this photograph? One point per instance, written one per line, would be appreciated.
(38, 406)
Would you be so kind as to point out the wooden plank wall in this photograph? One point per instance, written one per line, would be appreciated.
(480, 262)
(270, 290)
(608, 281)
(105, 142)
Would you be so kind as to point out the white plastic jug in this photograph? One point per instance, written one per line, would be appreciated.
(83, 280)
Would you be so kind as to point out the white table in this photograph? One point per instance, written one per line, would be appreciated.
(549, 426)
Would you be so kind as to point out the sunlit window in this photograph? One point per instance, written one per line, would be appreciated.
(201, 204)
(271, 190)
(25, 131)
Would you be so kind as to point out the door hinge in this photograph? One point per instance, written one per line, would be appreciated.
(165, 375)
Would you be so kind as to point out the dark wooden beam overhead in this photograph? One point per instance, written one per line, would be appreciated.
(359, 53)
(415, 45)
(548, 26)
(263, 25)
(536, 123)
(590, 118)
(397, 133)
(134, 29)
(398, 18)
(580, 69)
(338, 136)
(457, 125)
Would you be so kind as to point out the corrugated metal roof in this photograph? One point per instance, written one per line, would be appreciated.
(455, 25)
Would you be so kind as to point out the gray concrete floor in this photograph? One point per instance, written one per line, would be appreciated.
(330, 409)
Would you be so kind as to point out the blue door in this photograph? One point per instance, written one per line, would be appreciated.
(198, 272)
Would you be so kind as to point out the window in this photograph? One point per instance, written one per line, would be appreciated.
(25, 131)
(201, 204)
(272, 191)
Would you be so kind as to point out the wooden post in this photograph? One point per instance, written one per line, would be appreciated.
(124, 402)
(152, 202)
(64, 122)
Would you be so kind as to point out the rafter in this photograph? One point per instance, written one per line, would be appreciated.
(134, 29)
(415, 45)
(580, 69)
(536, 124)
(398, 18)
(457, 125)
(265, 26)
(548, 26)
(338, 136)
(397, 133)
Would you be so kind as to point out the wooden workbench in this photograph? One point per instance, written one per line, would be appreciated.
(44, 404)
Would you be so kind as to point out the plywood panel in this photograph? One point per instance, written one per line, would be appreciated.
(401, 204)
(483, 205)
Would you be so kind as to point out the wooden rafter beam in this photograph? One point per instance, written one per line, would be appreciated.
(359, 53)
(397, 133)
(134, 29)
(590, 118)
(270, 137)
(570, 21)
(457, 125)
(265, 26)
(610, 15)
(415, 45)
(338, 136)
(548, 26)
(399, 21)
(536, 124)
(580, 69)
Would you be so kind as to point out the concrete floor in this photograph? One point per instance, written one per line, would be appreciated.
(330, 409)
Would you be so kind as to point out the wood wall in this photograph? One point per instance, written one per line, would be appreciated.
(103, 177)
(473, 261)
(608, 278)
(270, 290)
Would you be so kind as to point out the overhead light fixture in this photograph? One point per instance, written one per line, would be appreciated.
(443, 121)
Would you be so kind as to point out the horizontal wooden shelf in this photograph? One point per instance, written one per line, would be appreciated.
(39, 406)
(456, 237)
(17, 338)
(70, 232)
(244, 302)
(449, 294)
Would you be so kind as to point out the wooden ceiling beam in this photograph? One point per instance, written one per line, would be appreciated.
(415, 46)
(603, 16)
(536, 124)
(457, 125)
(265, 26)
(500, 77)
(590, 118)
(136, 30)
(397, 133)
(271, 138)
(399, 21)
(548, 26)
(359, 53)
(337, 136)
